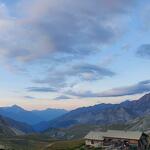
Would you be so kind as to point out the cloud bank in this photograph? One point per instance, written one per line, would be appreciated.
(51, 29)
(139, 88)
(76, 73)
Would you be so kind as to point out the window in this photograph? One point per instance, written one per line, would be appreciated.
(92, 141)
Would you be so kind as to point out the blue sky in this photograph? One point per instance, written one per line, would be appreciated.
(68, 54)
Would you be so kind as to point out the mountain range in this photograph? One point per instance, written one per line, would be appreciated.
(134, 115)
(30, 117)
(105, 114)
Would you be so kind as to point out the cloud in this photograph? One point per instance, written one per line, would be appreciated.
(91, 72)
(60, 28)
(144, 51)
(82, 72)
(139, 88)
(29, 97)
(41, 89)
(62, 97)
(145, 16)
(54, 32)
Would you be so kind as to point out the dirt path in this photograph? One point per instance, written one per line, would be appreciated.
(48, 146)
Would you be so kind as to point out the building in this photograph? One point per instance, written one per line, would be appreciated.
(2, 147)
(117, 138)
(94, 139)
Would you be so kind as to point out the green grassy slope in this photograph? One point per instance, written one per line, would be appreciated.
(65, 145)
(75, 132)
(29, 142)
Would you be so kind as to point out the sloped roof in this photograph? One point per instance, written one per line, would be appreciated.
(114, 134)
(2, 146)
(123, 134)
(94, 136)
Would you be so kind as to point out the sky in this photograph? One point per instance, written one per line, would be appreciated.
(69, 54)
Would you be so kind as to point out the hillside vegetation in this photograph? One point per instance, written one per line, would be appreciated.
(66, 145)
(30, 142)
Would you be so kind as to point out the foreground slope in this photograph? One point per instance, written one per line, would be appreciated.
(9, 127)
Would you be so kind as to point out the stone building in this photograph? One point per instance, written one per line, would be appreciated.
(118, 138)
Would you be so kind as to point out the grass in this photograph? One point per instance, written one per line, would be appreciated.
(44, 142)
(75, 132)
(33, 142)
(39, 142)
(66, 145)
(30, 142)
(80, 131)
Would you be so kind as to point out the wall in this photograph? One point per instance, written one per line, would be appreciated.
(93, 143)
(135, 142)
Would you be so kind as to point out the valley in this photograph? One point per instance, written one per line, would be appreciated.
(66, 132)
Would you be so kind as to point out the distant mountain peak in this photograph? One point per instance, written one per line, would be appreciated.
(147, 96)
(18, 113)
(16, 107)
(144, 99)
(126, 102)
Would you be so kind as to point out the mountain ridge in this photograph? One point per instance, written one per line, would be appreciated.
(33, 117)
(10, 127)
(105, 113)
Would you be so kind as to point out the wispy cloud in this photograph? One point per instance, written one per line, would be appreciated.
(141, 87)
(87, 72)
(62, 97)
(29, 97)
(144, 51)
(41, 89)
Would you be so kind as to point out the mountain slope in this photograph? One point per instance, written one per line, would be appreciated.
(30, 117)
(45, 125)
(49, 114)
(9, 127)
(140, 123)
(17, 113)
(104, 114)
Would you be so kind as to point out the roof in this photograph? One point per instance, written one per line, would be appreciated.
(2, 147)
(147, 132)
(94, 136)
(114, 134)
(123, 134)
